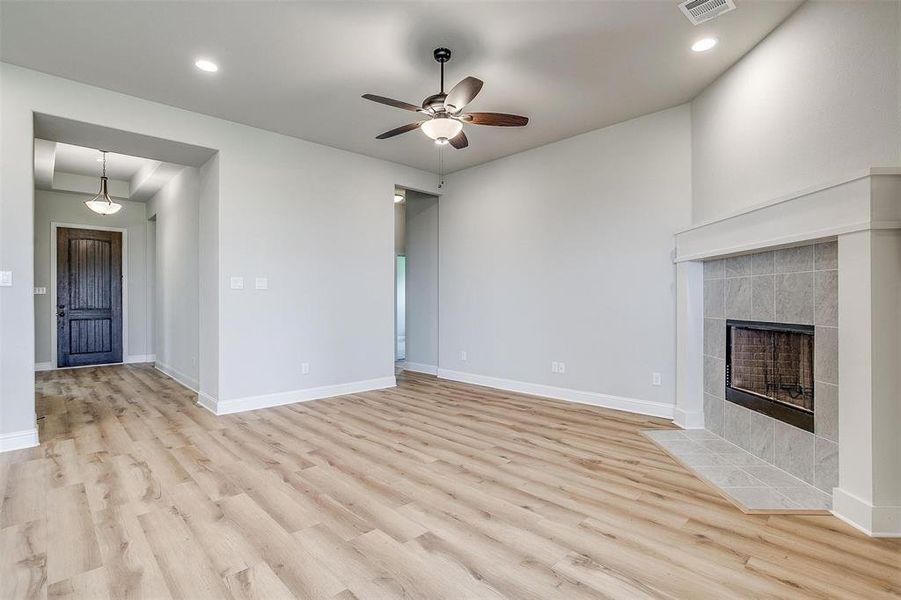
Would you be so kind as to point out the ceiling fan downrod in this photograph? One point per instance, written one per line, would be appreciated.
(442, 55)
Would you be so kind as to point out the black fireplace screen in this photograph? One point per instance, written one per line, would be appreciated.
(769, 368)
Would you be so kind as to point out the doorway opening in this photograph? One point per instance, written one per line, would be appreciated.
(416, 281)
(105, 291)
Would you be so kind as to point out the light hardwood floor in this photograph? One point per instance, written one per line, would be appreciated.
(430, 490)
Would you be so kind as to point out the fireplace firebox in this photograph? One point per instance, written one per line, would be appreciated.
(769, 369)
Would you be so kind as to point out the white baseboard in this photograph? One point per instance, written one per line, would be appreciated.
(227, 407)
(140, 358)
(134, 358)
(186, 380)
(421, 368)
(642, 407)
(688, 420)
(207, 402)
(875, 521)
(17, 440)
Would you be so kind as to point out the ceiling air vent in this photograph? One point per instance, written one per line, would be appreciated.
(699, 11)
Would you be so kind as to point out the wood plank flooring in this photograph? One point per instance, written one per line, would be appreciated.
(430, 490)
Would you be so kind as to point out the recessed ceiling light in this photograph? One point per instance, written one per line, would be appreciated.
(398, 198)
(704, 44)
(206, 65)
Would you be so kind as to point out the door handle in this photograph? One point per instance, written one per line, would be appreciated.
(61, 313)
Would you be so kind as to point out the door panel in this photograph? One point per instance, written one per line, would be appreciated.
(89, 297)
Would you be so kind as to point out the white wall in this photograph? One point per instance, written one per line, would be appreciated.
(208, 280)
(422, 279)
(816, 101)
(329, 263)
(563, 253)
(176, 300)
(67, 207)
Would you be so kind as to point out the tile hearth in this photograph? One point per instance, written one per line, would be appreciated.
(745, 480)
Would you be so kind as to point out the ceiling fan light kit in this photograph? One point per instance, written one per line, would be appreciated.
(444, 112)
(441, 129)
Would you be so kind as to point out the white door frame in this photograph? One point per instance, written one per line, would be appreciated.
(53, 303)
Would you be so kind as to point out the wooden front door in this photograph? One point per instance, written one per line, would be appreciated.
(88, 297)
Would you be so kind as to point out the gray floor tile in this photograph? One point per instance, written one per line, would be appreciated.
(666, 434)
(744, 459)
(754, 483)
(760, 498)
(774, 476)
(729, 476)
(700, 434)
(679, 447)
(807, 497)
(719, 445)
(703, 459)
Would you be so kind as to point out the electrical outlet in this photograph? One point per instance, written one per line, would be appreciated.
(305, 368)
(463, 355)
(6, 278)
(555, 367)
(656, 379)
(237, 283)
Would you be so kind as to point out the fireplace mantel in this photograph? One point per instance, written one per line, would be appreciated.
(866, 201)
(863, 213)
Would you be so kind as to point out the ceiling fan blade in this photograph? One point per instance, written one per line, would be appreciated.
(399, 130)
(462, 94)
(393, 102)
(495, 119)
(459, 141)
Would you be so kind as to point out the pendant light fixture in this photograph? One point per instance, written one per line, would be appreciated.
(102, 204)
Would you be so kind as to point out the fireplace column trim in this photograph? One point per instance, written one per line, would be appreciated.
(869, 492)
(689, 411)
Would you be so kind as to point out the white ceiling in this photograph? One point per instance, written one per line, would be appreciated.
(131, 177)
(83, 161)
(299, 68)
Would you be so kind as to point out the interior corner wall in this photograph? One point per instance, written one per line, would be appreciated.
(818, 100)
(315, 220)
(68, 207)
(176, 301)
(563, 254)
(421, 323)
(209, 277)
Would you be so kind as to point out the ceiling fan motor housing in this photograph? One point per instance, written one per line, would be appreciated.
(442, 55)
(434, 103)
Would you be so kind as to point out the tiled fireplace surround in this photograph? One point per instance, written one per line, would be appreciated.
(829, 256)
(793, 285)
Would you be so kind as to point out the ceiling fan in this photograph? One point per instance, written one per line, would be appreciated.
(443, 115)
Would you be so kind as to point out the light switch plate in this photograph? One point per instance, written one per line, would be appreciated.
(237, 283)
(261, 283)
(6, 278)
(40, 291)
